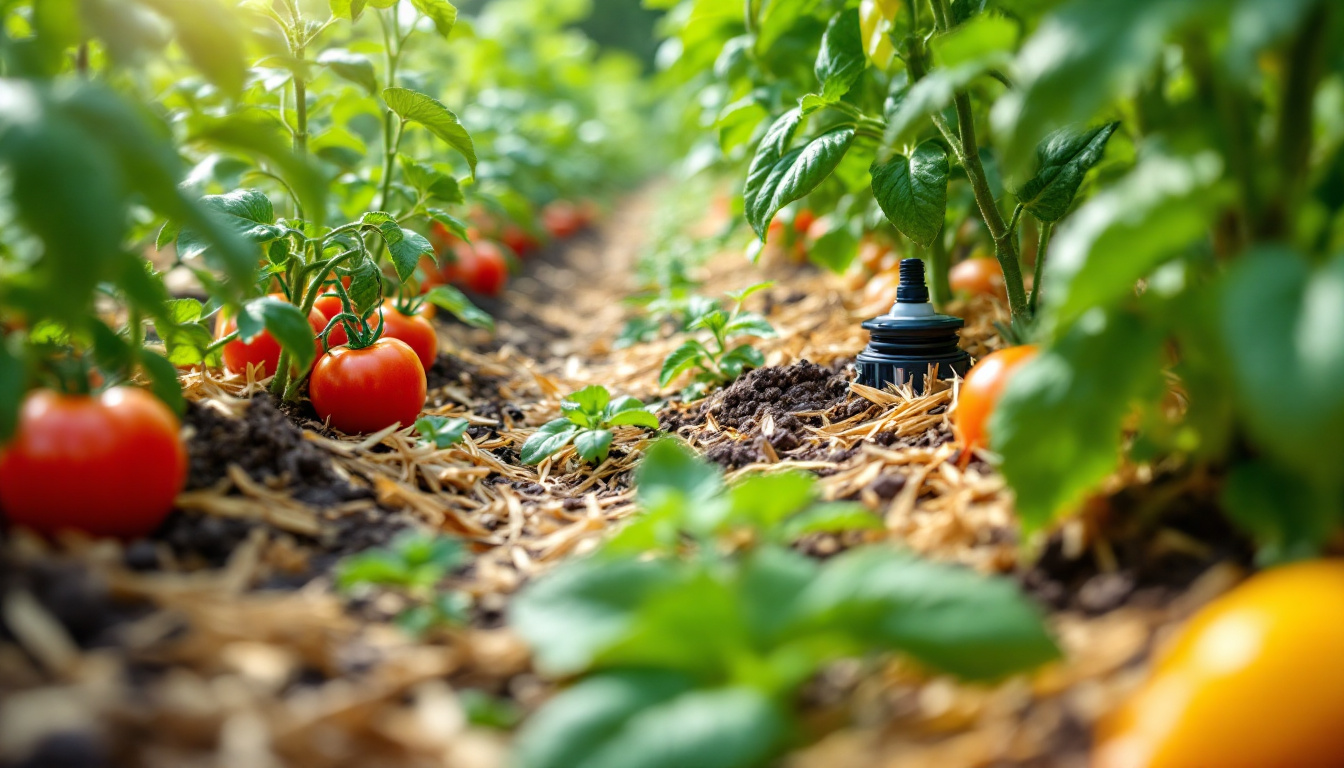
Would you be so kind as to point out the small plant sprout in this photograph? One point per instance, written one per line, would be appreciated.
(441, 431)
(414, 564)
(718, 364)
(589, 416)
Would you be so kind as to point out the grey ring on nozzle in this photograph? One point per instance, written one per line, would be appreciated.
(911, 337)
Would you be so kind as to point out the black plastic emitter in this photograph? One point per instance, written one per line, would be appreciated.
(911, 337)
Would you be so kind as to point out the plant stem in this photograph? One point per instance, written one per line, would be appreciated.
(393, 126)
(1294, 131)
(1047, 228)
(939, 288)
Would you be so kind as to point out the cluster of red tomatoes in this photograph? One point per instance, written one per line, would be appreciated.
(482, 264)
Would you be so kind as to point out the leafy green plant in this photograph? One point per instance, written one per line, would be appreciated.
(441, 431)
(414, 564)
(589, 416)
(693, 656)
(721, 362)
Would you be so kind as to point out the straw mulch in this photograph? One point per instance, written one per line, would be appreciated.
(170, 654)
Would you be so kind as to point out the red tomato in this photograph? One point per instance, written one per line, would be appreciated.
(1255, 680)
(480, 267)
(415, 330)
(519, 240)
(365, 390)
(980, 392)
(818, 228)
(802, 221)
(977, 277)
(108, 465)
(329, 305)
(562, 219)
(263, 350)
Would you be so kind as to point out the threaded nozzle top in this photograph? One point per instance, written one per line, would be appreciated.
(912, 289)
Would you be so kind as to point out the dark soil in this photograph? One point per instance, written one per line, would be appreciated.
(74, 596)
(1149, 573)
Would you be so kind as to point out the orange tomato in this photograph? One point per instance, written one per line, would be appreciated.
(881, 290)
(872, 253)
(1255, 680)
(980, 392)
(803, 220)
(977, 277)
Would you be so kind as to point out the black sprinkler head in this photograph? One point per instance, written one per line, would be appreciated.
(911, 337)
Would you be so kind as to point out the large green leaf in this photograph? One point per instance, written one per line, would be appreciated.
(579, 609)
(255, 132)
(1058, 423)
(796, 173)
(1283, 329)
(247, 212)
(416, 107)
(355, 67)
(946, 616)
(912, 191)
(441, 12)
(592, 444)
(841, 60)
(285, 322)
(1063, 159)
(404, 246)
(680, 360)
(773, 145)
(1082, 57)
(1128, 229)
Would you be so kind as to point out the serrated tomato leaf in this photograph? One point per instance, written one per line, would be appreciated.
(912, 191)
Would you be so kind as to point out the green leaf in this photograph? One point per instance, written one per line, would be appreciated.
(1285, 517)
(749, 324)
(947, 617)
(795, 174)
(565, 732)
(347, 9)
(671, 474)
(570, 615)
(1058, 422)
(285, 322)
(441, 12)
(455, 225)
(442, 431)
(253, 131)
(404, 246)
(433, 115)
(162, 379)
(776, 142)
(764, 501)
(1063, 159)
(592, 400)
(1079, 60)
(634, 417)
(247, 212)
(355, 67)
(1127, 230)
(209, 33)
(366, 285)
(551, 437)
(835, 250)
(979, 38)
(680, 360)
(1283, 330)
(740, 358)
(451, 300)
(593, 444)
(737, 122)
(912, 191)
(841, 60)
(431, 182)
(830, 518)
(932, 94)
(740, 296)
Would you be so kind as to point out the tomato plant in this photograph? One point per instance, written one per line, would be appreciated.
(589, 416)
(107, 464)
(1262, 662)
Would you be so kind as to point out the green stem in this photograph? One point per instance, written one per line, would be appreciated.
(1301, 75)
(1047, 228)
(939, 265)
(220, 342)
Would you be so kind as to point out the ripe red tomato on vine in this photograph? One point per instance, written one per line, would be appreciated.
(480, 267)
(108, 465)
(370, 388)
(263, 349)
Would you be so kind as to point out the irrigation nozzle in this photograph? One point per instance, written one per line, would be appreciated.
(911, 337)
